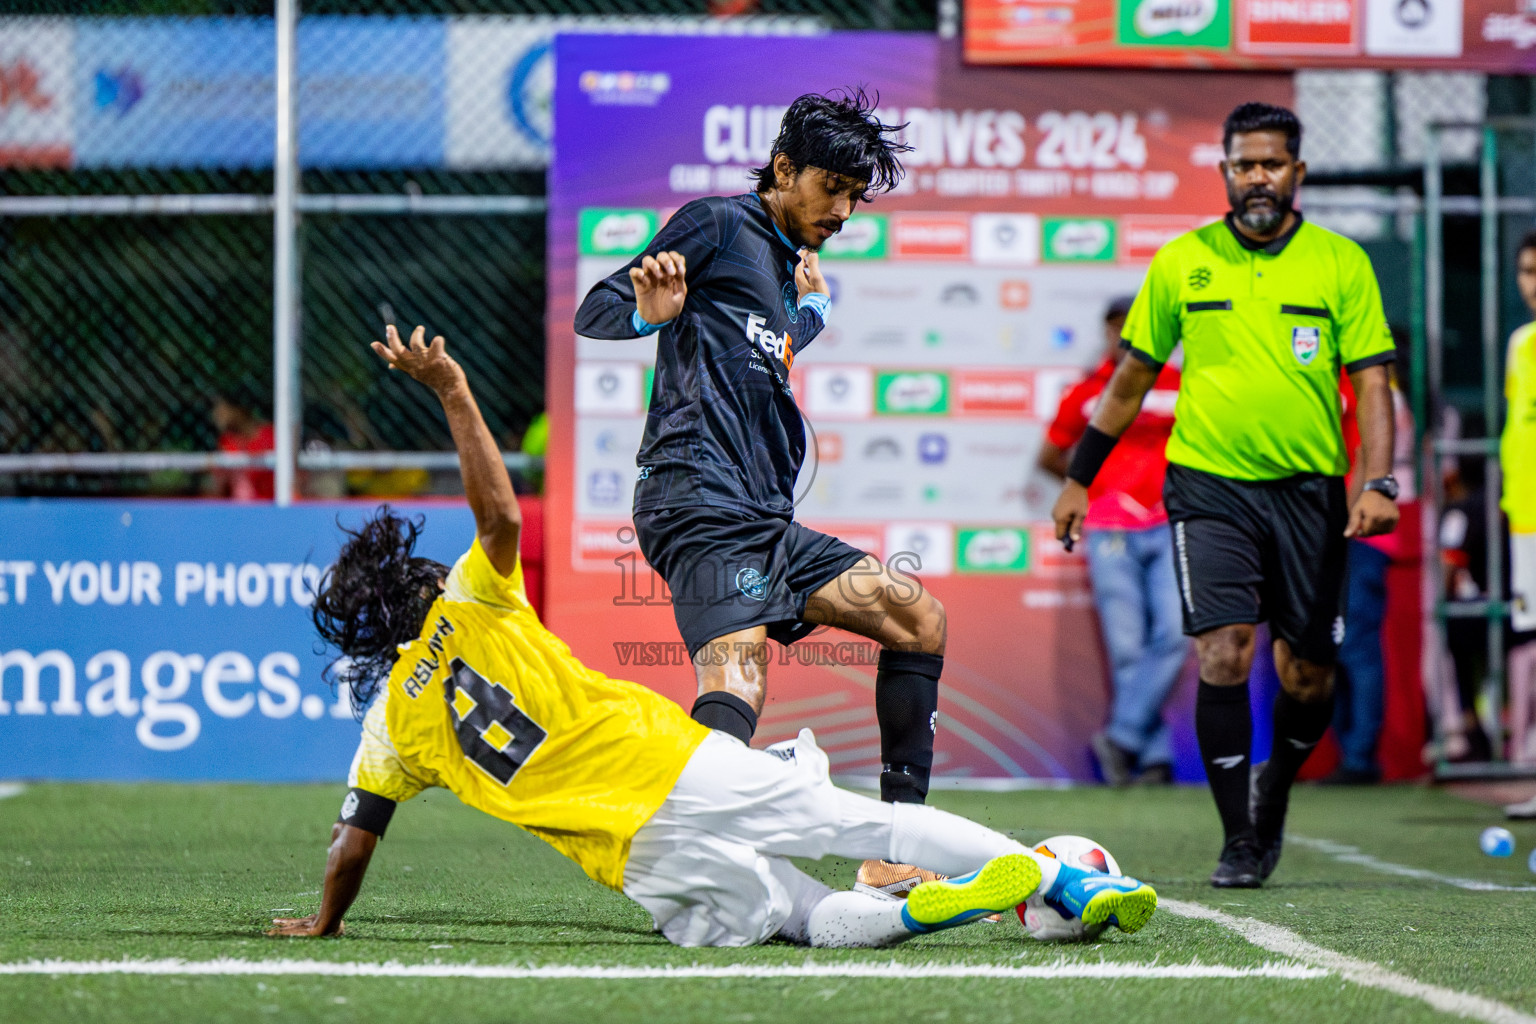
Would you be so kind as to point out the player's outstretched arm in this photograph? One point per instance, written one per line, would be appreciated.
(1117, 409)
(1373, 512)
(498, 519)
(345, 866)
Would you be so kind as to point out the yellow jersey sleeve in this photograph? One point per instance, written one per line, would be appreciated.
(474, 580)
(1364, 338)
(1152, 328)
(377, 767)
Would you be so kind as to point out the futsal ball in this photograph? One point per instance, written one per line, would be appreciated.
(1051, 922)
(1497, 842)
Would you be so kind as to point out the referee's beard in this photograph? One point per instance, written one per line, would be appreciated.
(1260, 209)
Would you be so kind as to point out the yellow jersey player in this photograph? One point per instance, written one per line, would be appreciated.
(471, 693)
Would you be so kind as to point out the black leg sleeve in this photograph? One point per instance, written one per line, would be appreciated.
(726, 712)
(1224, 727)
(907, 707)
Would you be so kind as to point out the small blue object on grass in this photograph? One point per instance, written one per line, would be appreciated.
(1497, 842)
(1530, 862)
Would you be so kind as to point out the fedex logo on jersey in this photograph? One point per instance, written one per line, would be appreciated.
(780, 347)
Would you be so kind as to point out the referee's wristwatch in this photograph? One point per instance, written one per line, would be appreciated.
(1387, 485)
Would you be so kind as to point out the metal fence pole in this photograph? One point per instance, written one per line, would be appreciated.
(1493, 686)
(1433, 372)
(285, 311)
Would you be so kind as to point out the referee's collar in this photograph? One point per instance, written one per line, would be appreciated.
(1274, 246)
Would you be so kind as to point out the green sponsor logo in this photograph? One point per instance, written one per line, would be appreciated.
(912, 393)
(1003, 549)
(1079, 240)
(1174, 23)
(864, 237)
(616, 232)
(650, 379)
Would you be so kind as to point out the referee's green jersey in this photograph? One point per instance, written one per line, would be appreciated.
(1265, 329)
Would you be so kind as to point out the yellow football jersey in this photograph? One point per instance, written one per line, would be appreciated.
(491, 705)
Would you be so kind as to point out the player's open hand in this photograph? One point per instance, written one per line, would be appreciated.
(1070, 511)
(660, 286)
(430, 364)
(301, 927)
(808, 277)
(1373, 513)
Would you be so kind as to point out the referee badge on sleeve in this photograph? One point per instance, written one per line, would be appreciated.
(1304, 343)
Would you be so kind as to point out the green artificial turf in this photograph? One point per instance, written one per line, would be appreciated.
(109, 872)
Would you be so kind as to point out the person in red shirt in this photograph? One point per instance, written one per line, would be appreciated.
(240, 431)
(1130, 563)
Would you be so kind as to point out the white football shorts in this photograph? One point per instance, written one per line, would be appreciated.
(711, 865)
(1522, 582)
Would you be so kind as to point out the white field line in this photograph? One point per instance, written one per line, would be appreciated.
(890, 970)
(1288, 944)
(1345, 854)
(8, 789)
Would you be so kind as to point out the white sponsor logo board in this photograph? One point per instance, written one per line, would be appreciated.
(1413, 28)
(36, 91)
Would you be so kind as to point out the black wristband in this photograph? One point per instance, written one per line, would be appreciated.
(367, 811)
(1089, 455)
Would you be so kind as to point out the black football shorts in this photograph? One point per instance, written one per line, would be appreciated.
(729, 571)
(1256, 551)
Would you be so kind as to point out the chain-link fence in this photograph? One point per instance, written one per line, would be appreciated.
(136, 216)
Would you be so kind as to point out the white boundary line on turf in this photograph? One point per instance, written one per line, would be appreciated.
(1288, 944)
(9, 789)
(1346, 854)
(888, 970)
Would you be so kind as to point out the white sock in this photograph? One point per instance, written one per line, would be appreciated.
(952, 845)
(853, 920)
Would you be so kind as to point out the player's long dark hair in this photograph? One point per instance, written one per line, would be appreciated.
(373, 598)
(838, 132)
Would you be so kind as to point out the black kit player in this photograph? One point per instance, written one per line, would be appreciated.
(732, 288)
(1269, 309)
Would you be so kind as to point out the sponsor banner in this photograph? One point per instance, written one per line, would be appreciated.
(839, 392)
(931, 237)
(1088, 240)
(1496, 36)
(912, 393)
(616, 232)
(992, 549)
(1298, 26)
(864, 237)
(998, 393)
(1005, 239)
(36, 92)
(172, 640)
(198, 92)
(1141, 236)
(610, 389)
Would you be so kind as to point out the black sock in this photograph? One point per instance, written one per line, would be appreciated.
(1298, 728)
(726, 712)
(1224, 727)
(907, 706)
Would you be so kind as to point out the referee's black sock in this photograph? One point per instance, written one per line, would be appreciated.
(727, 712)
(1224, 727)
(907, 707)
(1298, 728)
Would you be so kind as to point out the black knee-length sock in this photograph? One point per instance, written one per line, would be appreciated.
(1224, 727)
(1298, 728)
(726, 712)
(907, 707)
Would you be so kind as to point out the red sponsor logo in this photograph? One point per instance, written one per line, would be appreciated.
(829, 447)
(1298, 26)
(1141, 237)
(20, 84)
(929, 237)
(1014, 295)
(995, 393)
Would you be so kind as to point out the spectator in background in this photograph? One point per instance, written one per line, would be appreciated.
(1360, 683)
(1464, 553)
(241, 431)
(1130, 564)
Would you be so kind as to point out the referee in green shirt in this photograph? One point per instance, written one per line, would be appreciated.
(1268, 308)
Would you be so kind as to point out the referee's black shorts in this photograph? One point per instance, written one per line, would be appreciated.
(729, 571)
(1254, 551)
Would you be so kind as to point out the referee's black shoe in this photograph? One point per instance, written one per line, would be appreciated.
(1267, 812)
(1239, 867)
